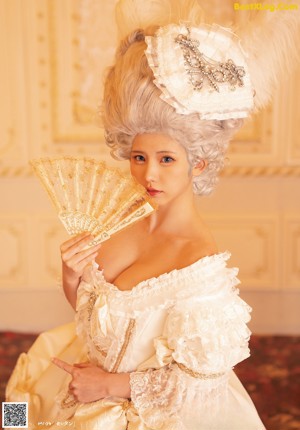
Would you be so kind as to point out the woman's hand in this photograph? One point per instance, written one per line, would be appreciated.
(90, 383)
(75, 257)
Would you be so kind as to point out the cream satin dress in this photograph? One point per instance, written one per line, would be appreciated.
(179, 335)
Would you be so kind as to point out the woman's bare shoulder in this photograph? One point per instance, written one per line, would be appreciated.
(202, 244)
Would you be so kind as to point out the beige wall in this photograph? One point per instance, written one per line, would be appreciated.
(46, 108)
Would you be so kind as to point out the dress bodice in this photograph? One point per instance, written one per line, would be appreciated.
(121, 328)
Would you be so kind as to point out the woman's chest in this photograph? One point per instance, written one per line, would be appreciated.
(149, 265)
(130, 263)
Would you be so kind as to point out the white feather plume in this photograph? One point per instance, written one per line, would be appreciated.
(271, 41)
(133, 14)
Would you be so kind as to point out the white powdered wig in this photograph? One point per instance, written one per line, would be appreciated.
(132, 103)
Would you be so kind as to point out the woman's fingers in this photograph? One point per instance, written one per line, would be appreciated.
(82, 256)
(79, 250)
(79, 267)
(76, 239)
(78, 246)
(63, 365)
(83, 364)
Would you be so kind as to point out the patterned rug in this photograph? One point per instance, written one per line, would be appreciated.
(271, 376)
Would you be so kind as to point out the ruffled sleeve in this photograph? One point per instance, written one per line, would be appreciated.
(205, 335)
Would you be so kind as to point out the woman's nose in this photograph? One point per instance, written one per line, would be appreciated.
(151, 172)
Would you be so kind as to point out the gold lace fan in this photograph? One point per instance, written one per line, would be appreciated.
(90, 196)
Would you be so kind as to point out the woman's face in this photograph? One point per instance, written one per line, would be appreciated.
(160, 164)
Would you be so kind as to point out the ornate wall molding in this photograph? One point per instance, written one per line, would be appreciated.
(229, 171)
(15, 171)
(14, 116)
(263, 171)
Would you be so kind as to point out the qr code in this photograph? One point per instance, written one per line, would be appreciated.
(15, 415)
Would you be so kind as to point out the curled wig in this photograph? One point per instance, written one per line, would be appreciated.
(132, 105)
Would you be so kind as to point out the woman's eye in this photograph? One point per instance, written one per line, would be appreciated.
(139, 158)
(167, 159)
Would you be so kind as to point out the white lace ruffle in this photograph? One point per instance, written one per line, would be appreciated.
(206, 278)
(209, 337)
(170, 399)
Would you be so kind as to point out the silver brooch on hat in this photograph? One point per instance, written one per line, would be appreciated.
(202, 70)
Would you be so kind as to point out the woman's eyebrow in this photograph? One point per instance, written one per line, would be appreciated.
(166, 152)
(158, 152)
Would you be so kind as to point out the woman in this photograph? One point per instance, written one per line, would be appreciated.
(159, 321)
(162, 319)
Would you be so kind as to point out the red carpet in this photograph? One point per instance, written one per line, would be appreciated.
(271, 375)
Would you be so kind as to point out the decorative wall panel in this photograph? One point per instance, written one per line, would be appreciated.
(292, 119)
(50, 235)
(257, 238)
(14, 258)
(291, 253)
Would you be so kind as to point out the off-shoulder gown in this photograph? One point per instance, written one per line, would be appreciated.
(179, 335)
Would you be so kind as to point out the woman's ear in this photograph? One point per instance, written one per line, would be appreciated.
(200, 166)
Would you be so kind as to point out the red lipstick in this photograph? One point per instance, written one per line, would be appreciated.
(152, 192)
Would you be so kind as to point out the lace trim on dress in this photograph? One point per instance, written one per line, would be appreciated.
(122, 352)
(156, 281)
(91, 304)
(208, 277)
(87, 321)
(99, 348)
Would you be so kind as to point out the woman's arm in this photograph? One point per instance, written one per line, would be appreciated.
(75, 257)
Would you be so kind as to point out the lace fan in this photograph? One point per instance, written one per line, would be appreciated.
(90, 196)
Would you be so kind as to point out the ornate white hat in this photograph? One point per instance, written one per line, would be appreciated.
(201, 69)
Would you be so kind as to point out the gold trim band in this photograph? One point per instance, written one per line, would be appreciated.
(128, 335)
(199, 375)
